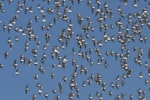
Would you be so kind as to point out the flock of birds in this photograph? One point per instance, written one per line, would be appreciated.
(77, 44)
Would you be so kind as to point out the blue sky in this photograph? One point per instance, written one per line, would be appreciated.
(13, 86)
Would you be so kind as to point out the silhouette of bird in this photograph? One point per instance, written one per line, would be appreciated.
(46, 95)
(17, 72)
(1, 65)
(26, 89)
(149, 53)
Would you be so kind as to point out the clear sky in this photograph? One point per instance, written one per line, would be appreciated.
(12, 86)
